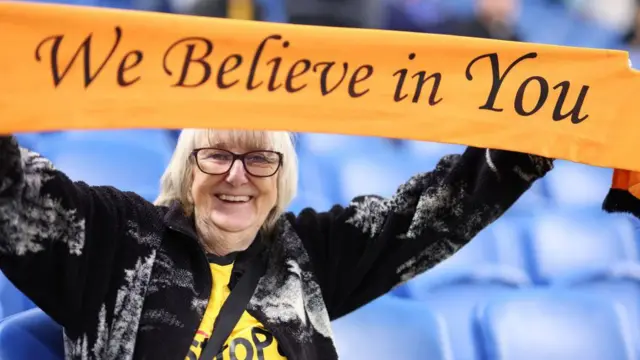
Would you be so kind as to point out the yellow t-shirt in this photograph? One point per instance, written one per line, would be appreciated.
(249, 340)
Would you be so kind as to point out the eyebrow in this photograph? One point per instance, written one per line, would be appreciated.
(248, 147)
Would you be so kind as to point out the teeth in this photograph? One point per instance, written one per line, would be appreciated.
(233, 198)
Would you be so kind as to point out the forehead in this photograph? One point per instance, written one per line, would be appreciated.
(237, 139)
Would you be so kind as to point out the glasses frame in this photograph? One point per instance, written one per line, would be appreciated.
(241, 157)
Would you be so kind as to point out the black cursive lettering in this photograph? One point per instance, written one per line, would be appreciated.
(355, 80)
(496, 78)
(577, 107)
(306, 66)
(124, 68)
(542, 97)
(85, 47)
(325, 73)
(223, 70)
(188, 59)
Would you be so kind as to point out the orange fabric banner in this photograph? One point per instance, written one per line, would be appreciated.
(65, 67)
(628, 181)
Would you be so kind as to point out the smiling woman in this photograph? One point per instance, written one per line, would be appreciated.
(231, 198)
(129, 279)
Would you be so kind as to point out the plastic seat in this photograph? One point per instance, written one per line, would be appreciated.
(127, 167)
(494, 255)
(490, 266)
(391, 328)
(565, 245)
(31, 335)
(317, 178)
(158, 140)
(573, 185)
(338, 145)
(377, 173)
(552, 326)
(592, 255)
(426, 155)
(12, 300)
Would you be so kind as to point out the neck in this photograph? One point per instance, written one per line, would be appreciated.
(222, 243)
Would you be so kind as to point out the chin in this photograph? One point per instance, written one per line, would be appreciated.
(229, 224)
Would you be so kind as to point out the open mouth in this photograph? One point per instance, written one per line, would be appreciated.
(234, 199)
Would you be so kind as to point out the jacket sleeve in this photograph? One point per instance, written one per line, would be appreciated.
(624, 195)
(59, 240)
(362, 251)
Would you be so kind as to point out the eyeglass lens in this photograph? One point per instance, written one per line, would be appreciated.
(257, 163)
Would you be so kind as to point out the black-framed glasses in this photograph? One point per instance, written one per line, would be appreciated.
(258, 163)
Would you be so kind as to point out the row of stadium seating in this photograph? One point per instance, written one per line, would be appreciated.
(581, 254)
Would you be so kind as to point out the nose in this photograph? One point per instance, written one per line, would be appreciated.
(237, 175)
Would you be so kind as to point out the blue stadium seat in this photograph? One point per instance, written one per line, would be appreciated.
(619, 286)
(490, 266)
(565, 245)
(340, 146)
(12, 300)
(591, 255)
(158, 140)
(317, 178)
(455, 303)
(573, 185)
(377, 172)
(126, 166)
(425, 155)
(494, 255)
(30, 335)
(339, 156)
(552, 326)
(391, 328)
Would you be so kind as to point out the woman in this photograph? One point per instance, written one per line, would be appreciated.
(128, 279)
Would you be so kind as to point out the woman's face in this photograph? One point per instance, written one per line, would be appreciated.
(236, 201)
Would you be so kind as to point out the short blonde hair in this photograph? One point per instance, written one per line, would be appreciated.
(177, 179)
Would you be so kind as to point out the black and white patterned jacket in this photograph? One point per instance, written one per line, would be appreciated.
(129, 280)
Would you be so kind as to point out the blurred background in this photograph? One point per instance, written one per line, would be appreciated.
(555, 278)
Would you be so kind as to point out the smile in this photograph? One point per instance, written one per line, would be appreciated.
(234, 198)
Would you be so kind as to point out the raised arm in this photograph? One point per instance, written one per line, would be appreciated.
(362, 251)
(60, 240)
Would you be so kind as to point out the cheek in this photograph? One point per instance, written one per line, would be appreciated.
(200, 188)
(268, 191)
(272, 191)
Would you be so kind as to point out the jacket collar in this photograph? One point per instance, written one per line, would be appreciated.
(177, 220)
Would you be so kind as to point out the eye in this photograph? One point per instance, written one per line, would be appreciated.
(214, 155)
(257, 159)
(262, 158)
(219, 156)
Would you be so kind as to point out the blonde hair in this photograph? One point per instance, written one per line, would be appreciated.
(176, 182)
